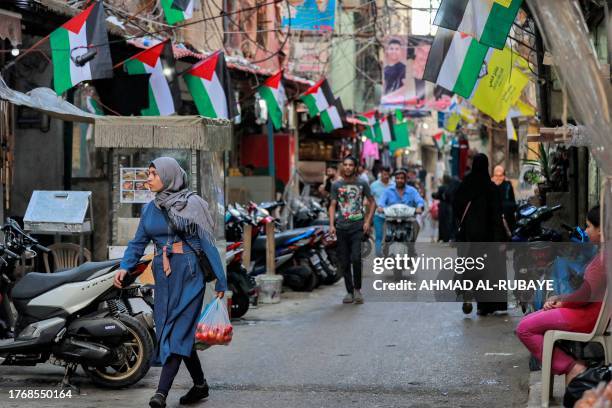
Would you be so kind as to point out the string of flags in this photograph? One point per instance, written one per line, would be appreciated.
(153, 69)
(468, 57)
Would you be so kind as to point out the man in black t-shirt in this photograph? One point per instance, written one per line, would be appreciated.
(350, 195)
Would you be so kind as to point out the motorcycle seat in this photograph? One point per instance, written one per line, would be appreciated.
(271, 205)
(36, 283)
(280, 238)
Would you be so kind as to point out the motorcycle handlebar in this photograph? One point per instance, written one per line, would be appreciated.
(42, 248)
(556, 207)
(11, 254)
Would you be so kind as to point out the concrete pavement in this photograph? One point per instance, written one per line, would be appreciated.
(312, 351)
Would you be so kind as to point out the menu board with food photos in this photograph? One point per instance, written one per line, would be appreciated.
(134, 186)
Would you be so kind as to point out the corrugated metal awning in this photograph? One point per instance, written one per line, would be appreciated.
(45, 100)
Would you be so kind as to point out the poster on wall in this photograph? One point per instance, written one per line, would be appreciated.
(133, 186)
(403, 63)
(310, 56)
(309, 15)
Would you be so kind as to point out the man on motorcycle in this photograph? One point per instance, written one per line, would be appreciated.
(378, 188)
(402, 193)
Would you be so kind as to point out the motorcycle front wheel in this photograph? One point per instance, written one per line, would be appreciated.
(135, 356)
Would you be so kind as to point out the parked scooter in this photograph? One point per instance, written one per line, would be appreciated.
(529, 224)
(535, 259)
(296, 276)
(307, 212)
(74, 317)
(243, 287)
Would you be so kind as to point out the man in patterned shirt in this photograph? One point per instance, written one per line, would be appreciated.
(350, 223)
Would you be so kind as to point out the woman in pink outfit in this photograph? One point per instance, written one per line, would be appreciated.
(569, 312)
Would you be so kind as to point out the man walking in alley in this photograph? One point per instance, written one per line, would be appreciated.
(350, 194)
(507, 192)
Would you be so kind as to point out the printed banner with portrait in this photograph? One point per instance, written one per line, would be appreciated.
(403, 64)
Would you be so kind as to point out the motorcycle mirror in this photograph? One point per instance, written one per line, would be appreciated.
(30, 254)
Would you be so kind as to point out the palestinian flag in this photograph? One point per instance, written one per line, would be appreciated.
(439, 140)
(177, 10)
(487, 20)
(332, 117)
(454, 62)
(370, 119)
(401, 132)
(164, 92)
(318, 98)
(211, 87)
(273, 92)
(385, 130)
(93, 106)
(72, 40)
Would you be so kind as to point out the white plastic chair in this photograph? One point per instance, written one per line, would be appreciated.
(599, 335)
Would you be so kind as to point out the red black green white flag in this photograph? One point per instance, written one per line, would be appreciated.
(332, 118)
(370, 119)
(384, 130)
(439, 139)
(454, 62)
(273, 93)
(164, 92)
(85, 33)
(177, 10)
(211, 88)
(489, 21)
(318, 98)
(401, 132)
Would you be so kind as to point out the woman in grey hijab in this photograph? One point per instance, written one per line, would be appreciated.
(179, 280)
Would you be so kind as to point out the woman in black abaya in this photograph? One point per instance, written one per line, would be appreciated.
(478, 209)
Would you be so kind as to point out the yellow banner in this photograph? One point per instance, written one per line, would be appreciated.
(525, 109)
(505, 3)
(452, 122)
(501, 87)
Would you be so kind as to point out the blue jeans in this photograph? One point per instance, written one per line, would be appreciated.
(379, 227)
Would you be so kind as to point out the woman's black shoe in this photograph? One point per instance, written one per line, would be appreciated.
(467, 307)
(195, 394)
(158, 401)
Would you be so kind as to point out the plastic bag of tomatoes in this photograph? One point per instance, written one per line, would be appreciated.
(214, 327)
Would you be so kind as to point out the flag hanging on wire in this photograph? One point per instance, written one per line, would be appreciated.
(164, 91)
(454, 62)
(318, 98)
(370, 119)
(73, 44)
(176, 11)
(489, 21)
(332, 118)
(401, 132)
(114, 99)
(273, 93)
(439, 140)
(385, 131)
(211, 88)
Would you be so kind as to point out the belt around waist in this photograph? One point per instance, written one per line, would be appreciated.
(175, 248)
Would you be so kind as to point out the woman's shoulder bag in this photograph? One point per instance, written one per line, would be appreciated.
(209, 274)
(460, 229)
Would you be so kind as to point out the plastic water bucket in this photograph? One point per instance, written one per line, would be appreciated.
(270, 288)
